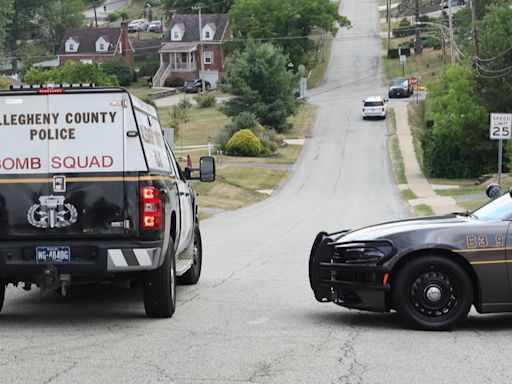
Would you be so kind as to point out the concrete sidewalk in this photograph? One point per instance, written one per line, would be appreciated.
(416, 181)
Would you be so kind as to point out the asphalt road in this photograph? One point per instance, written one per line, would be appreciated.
(253, 318)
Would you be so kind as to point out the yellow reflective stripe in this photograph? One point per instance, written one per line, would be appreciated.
(480, 249)
(490, 262)
(88, 179)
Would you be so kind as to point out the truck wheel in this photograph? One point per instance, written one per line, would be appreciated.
(2, 294)
(192, 275)
(432, 293)
(160, 287)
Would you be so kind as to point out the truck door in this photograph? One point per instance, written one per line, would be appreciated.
(186, 206)
(86, 164)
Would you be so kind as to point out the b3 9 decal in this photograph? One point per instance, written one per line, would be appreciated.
(482, 241)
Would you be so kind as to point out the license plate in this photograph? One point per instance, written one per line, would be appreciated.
(53, 254)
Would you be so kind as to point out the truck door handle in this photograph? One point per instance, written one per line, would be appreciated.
(163, 191)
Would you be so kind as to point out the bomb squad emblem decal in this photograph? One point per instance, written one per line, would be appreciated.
(52, 212)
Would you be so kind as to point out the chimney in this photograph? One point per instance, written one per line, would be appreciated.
(126, 48)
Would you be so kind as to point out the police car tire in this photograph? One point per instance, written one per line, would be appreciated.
(459, 280)
(160, 287)
(192, 276)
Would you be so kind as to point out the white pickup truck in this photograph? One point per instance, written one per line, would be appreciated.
(90, 191)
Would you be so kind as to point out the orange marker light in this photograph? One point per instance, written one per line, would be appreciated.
(385, 280)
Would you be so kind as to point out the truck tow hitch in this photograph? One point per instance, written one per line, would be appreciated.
(52, 279)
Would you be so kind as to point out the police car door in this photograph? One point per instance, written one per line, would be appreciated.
(186, 206)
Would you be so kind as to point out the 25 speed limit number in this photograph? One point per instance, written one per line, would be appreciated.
(501, 126)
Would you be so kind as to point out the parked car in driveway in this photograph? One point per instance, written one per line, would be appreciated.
(374, 106)
(156, 26)
(194, 86)
(455, 3)
(138, 25)
(400, 87)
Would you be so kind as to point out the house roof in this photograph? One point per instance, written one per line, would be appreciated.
(191, 23)
(12, 81)
(87, 38)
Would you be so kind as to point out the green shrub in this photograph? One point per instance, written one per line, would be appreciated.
(205, 101)
(113, 17)
(404, 23)
(119, 67)
(393, 53)
(244, 143)
(149, 68)
(123, 15)
(245, 120)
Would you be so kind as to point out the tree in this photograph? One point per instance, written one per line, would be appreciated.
(287, 23)
(22, 25)
(6, 8)
(208, 6)
(71, 73)
(119, 67)
(457, 145)
(494, 67)
(59, 15)
(259, 82)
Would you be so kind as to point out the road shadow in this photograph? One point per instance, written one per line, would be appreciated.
(86, 305)
(391, 321)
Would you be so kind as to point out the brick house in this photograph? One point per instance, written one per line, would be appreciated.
(95, 45)
(180, 55)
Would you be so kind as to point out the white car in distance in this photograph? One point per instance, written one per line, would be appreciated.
(375, 106)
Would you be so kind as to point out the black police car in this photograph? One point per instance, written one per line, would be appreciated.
(430, 270)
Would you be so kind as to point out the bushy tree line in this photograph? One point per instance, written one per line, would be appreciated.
(457, 142)
(71, 72)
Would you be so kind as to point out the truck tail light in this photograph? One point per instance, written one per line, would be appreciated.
(150, 208)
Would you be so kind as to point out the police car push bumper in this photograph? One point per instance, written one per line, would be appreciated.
(350, 274)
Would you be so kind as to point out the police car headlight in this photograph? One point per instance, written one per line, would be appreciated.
(367, 254)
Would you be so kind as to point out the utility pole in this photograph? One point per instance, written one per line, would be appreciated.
(475, 37)
(388, 3)
(198, 7)
(95, 16)
(450, 26)
(418, 47)
(443, 43)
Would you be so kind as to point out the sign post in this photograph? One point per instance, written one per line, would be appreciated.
(500, 129)
(403, 59)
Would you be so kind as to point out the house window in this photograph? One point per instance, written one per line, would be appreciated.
(86, 61)
(71, 47)
(208, 57)
(176, 35)
(207, 34)
(102, 47)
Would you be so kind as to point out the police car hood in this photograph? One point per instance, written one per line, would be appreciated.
(390, 229)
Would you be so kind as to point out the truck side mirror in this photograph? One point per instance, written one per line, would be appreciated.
(493, 191)
(207, 169)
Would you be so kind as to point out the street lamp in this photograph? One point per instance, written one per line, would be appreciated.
(443, 29)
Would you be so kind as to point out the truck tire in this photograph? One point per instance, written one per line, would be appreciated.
(432, 293)
(2, 294)
(160, 287)
(192, 275)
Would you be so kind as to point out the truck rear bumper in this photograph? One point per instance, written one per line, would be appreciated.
(18, 259)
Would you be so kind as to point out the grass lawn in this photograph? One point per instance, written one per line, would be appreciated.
(318, 73)
(397, 162)
(238, 178)
(426, 67)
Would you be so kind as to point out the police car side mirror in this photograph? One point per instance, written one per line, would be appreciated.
(207, 169)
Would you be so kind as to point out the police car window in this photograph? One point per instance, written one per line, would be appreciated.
(499, 209)
(175, 169)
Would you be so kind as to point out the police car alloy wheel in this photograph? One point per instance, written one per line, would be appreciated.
(432, 293)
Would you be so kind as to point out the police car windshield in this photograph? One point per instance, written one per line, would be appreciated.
(499, 209)
(373, 103)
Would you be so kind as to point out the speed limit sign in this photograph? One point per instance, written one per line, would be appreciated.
(501, 126)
